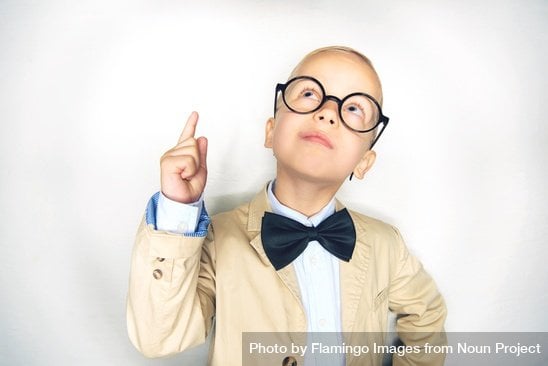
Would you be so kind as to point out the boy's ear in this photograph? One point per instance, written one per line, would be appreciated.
(269, 132)
(365, 164)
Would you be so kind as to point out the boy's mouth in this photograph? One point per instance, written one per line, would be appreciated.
(316, 137)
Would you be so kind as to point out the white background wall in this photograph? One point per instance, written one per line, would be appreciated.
(93, 92)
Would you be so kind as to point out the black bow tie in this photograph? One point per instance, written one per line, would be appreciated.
(285, 239)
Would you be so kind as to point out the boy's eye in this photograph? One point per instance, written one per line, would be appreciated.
(355, 109)
(310, 93)
(359, 112)
(303, 95)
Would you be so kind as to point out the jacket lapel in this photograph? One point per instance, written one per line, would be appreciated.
(257, 208)
(353, 276)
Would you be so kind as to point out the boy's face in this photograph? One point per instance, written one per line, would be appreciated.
(317, 146)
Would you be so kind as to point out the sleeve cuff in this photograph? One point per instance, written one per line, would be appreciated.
(168, 215)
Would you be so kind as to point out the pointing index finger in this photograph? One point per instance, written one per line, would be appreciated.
(190, 127)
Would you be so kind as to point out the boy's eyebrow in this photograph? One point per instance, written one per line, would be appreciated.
(310, 76)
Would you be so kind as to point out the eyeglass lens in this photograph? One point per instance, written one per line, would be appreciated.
(304, 95)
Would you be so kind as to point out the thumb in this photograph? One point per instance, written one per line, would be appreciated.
(202, 150)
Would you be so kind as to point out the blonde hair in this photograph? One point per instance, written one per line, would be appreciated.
(342, 49)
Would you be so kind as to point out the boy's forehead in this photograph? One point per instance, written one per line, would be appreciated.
(341, 73)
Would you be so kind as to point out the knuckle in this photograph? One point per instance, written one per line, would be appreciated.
(191, 141)
(187, 161)
(163, 160)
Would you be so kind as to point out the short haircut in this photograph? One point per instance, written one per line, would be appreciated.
(342, 49)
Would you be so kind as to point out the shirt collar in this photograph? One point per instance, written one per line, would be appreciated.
(280, 209)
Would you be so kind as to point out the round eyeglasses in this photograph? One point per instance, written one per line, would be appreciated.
(359, 112)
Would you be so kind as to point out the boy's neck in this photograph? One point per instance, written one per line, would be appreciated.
(303, 195)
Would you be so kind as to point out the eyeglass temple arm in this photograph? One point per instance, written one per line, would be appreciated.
(279, 87)
(384, 122)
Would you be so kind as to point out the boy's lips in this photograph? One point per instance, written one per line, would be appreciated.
(316, 137)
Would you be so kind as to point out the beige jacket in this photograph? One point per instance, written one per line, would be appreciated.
(179, 285)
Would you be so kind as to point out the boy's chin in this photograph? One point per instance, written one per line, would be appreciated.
(318, 176)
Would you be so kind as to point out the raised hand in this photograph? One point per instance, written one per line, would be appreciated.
(183, 169)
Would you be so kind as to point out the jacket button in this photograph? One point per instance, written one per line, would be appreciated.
(160, 259)
(157, 274)
(289, 361)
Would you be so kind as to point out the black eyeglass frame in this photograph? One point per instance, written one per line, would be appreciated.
(382, 118)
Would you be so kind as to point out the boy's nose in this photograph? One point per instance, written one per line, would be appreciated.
(321, 118)
(328, 112)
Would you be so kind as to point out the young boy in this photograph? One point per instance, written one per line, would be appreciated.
(293, 259)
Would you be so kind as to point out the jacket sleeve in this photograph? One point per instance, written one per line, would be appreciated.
(420, 309)
(171, 299)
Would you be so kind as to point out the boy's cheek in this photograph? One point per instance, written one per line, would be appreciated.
(282, 133)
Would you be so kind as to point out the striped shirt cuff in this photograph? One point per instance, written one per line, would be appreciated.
(152, 212)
